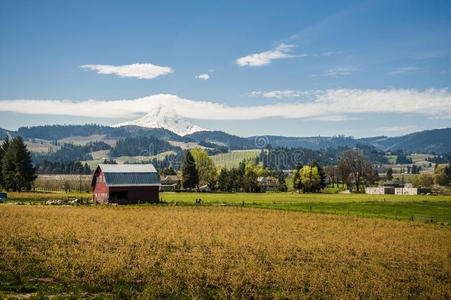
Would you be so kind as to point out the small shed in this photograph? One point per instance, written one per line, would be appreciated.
(125, 184)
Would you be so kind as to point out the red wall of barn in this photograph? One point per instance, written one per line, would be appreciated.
(100, 188)
(138, 194)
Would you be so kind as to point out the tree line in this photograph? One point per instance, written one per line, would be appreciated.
(55, 167)
(198, 169)
(281, 158)
(70, 152)
(353, 170)
(141, 146)
(17, 172)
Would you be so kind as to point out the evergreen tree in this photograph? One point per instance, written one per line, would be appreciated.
(282, 184)
(448, 170)
(17, 168)
(389, 174)
(224, 181)
(190, 178)
(3, 149)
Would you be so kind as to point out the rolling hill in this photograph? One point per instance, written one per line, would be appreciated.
(430, 141)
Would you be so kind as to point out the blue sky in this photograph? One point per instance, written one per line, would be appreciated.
(295, 68)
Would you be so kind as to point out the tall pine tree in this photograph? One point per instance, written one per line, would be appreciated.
(190, 178)
(17, 168)
(3, 149)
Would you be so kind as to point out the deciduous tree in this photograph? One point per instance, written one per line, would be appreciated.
(205, 167)
(354, 164)
(311, 179)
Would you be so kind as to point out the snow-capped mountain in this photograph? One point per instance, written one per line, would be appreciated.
(167, 118)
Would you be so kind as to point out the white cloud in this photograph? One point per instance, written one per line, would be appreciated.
(203, 76)
(264, 58)
(276, 94)
(340, 71)
(334, 118)
(403, 129)
(141, 71)
(432, 103)
(401, 70)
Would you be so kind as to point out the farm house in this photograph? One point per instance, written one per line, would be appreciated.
(125, 184)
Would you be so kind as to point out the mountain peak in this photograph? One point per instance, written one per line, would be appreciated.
(167, 118)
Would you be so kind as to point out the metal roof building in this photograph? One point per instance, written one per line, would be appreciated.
(125, 184)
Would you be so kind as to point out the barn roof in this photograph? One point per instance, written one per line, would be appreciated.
(129, 175)
(127, 168)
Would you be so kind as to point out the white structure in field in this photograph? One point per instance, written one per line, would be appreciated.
(375, 190)
(391, 190)
(406, 191)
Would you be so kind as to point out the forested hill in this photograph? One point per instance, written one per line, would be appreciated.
(57, 132)
(4, 133)
(428, 141)
(431, 141)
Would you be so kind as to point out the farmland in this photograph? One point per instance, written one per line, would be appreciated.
(232, 159)
(421, 208)
(218, 252)
(382, 206)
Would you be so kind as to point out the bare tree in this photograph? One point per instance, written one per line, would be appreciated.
(357, 167)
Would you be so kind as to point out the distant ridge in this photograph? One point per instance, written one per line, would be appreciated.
(429, 141)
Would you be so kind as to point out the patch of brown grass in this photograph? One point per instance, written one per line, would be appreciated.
(225, 252)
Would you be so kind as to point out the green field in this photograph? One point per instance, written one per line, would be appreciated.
(419, 158)
(99, 156)
(421, 208)
(230, 160)
(391, 158)
(383, 206)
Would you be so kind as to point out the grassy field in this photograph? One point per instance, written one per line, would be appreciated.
(230, 160)
(225, 252)
(100, 156)
(391, 158)
(420, 159)
(382, 206)
(421, 208)
(41, 148)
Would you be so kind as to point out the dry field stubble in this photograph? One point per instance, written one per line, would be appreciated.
(223, 252)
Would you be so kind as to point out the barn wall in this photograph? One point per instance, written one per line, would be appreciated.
(100, 192)
(139, 194)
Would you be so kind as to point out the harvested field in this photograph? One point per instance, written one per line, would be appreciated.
(219, 252)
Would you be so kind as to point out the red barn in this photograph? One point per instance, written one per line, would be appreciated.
(125, 184)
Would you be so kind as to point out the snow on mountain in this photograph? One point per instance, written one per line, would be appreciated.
(167, 118)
